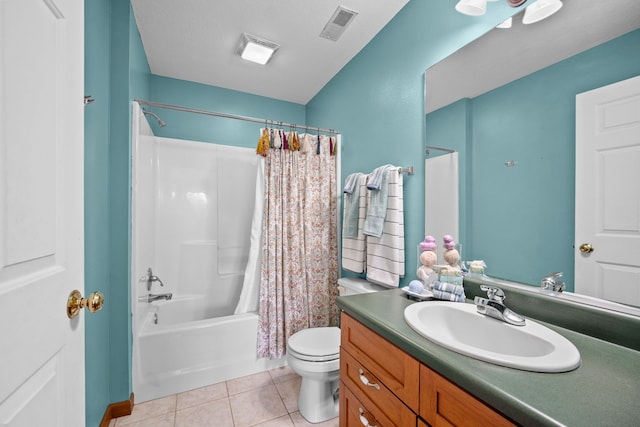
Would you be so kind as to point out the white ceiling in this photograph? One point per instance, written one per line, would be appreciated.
(196, 40)
(503, 55)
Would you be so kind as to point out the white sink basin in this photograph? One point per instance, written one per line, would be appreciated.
(458, 327)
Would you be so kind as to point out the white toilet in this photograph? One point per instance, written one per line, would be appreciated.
(314, 354)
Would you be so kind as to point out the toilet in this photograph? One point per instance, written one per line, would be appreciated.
(314, 354)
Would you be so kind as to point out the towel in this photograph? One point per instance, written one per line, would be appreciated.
(385, 254)
(354, 248)
(448, 287)
(377, 203)
(375, 180)
(350, 182)
(447, 296)
(351, 205)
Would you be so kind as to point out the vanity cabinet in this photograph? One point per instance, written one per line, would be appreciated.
(378, 380)
(381, 385)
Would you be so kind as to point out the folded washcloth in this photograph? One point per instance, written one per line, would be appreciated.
(448, 287)
(351, 182)
(375, 178)
(448, 296)
(352, 206)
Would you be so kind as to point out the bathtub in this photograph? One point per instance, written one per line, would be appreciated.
(184, 345)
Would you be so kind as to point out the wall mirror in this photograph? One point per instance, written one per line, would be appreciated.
(506, 103)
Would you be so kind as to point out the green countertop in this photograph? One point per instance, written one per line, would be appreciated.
(603, 391)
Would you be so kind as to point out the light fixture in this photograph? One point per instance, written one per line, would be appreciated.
(472, 7)
(506, 24)
(256, 49)
(540, 10)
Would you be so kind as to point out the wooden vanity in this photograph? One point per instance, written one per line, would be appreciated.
(390, 375)
(383, 386)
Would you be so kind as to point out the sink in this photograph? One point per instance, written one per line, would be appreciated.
(460, 328)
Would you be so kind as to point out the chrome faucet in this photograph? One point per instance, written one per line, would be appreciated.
(493, 306)
(155, 297)
(550, 283)
(150, 278)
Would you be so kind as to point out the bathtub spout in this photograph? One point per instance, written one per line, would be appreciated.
(155, 297)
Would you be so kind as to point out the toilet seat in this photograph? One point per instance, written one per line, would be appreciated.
(315, 344)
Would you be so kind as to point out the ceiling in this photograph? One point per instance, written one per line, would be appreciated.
(503, 55)
(196, 40)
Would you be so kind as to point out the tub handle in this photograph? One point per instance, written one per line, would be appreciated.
(365, 380)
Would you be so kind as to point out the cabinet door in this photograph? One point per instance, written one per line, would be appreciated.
(359, 412)
(357, 377)
(398, 371)
(442, 403)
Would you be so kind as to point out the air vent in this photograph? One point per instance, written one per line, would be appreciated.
(341, 18)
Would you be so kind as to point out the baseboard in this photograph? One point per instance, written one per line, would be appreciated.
(115, 410)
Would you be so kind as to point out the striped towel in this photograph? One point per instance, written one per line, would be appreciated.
(354, 248)
(447, 296)
(385, 254)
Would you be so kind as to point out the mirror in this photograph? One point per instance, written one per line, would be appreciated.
(517, 172)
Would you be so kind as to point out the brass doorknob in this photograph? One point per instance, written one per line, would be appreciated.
(75, 303)
(586, 248)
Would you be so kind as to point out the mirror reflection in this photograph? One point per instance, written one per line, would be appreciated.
(507, 104)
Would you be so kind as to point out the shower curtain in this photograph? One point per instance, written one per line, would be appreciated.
(299, 268)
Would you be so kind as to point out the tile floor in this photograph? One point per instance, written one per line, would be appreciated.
(267, 399)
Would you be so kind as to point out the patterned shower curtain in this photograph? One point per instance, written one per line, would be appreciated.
(299, 268)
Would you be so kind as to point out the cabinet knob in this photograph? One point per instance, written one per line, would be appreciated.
(367, 419)
(366, 381)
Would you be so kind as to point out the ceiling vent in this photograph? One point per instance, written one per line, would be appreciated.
(341, 18)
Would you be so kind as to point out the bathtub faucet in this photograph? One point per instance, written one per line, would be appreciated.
(155, 297)
(150, 278)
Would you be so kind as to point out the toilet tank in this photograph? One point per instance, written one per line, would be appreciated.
(354, 285)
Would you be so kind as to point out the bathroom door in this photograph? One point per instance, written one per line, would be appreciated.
(607, 212)
(41, 212)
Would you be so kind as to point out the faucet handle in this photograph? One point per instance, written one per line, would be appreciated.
(549, 282)
(553, 276)
(494, 293)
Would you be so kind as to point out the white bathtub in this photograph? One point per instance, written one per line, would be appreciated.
(190, 347)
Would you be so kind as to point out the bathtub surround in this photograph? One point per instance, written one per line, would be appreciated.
(193, 230)
(299, 269)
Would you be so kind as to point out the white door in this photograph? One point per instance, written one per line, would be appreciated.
(41, 212)
(608, 192)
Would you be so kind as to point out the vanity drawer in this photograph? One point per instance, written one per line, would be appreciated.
(399, 372)
(442, 403)
(357, 410)
(365, 385)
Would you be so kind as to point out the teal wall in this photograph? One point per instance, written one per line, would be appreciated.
(521, 219)
(96, 197)
(377, 99)
(206, 128)
(115, 70)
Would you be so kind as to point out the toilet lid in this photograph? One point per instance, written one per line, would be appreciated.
(316, 343)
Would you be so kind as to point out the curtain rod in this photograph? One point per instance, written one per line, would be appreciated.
(233, 116)
(429, 147)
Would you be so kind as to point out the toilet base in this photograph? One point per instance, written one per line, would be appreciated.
(318, 400)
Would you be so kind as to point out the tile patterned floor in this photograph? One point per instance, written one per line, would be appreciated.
(267, 399)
